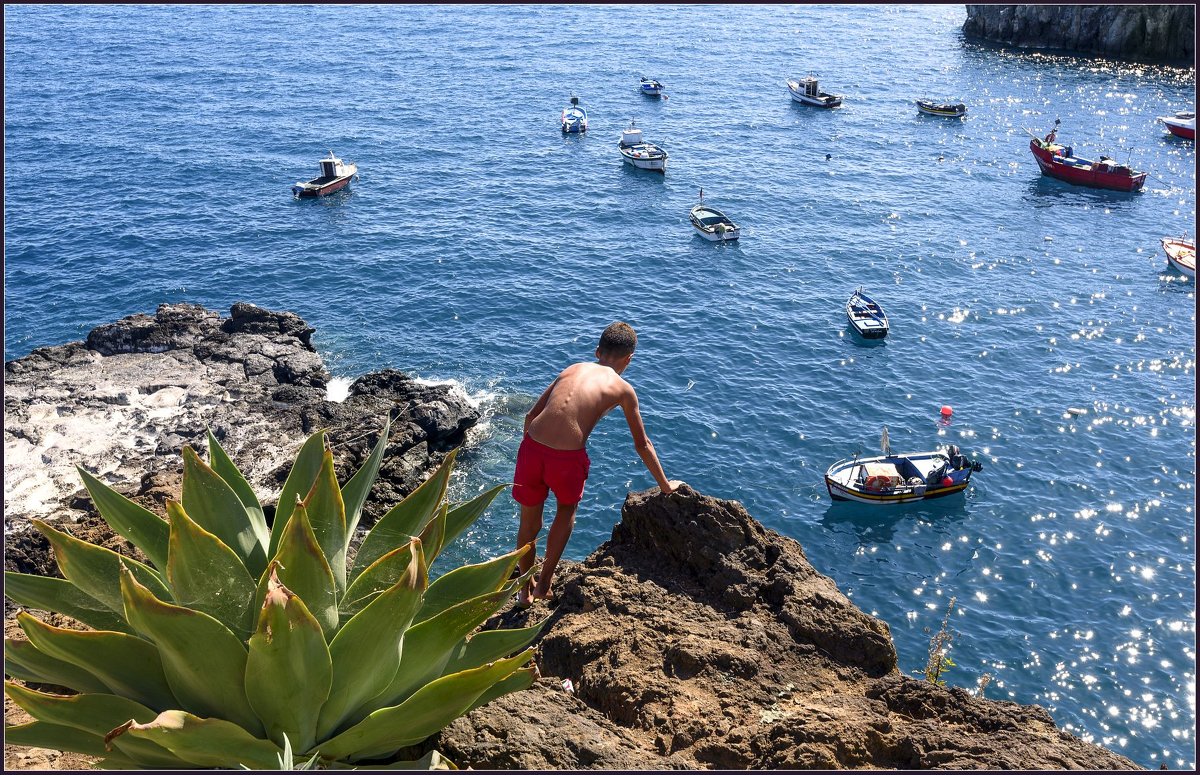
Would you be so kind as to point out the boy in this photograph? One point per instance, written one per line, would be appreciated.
(553, 454)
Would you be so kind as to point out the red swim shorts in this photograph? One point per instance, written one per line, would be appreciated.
(541, 469)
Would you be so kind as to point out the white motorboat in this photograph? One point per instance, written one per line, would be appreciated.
(1182, 124)
(651, 87)
(574, 118)
(807, 91)
(712, 224)
(335, 175)
(639, 153)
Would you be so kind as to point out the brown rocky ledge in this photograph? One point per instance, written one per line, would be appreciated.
(697, 638)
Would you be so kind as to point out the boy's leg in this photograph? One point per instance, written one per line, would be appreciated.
(556, 541)
(531, 525)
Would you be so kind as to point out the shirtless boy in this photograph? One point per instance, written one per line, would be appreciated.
(553, 454)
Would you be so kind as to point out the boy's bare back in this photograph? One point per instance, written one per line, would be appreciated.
(575, 401)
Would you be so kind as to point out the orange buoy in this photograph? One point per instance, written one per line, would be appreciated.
(947, 411)
(947, 481)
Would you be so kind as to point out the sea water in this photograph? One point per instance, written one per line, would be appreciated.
(150, 153)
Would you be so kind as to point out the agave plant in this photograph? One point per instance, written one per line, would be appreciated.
(239, 643)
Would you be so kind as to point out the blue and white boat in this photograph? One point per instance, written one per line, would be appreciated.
(639, 153)
(574, 118)
(866, 317)
(651, 87)
(904, 478)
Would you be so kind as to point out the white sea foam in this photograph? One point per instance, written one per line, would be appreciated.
(338, 389)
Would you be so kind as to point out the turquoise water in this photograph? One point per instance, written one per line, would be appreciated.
(150, 151)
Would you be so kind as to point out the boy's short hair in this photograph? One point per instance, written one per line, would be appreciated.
(618, 340)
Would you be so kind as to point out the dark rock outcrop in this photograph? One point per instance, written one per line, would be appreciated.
(1157, 33)
(697, 638)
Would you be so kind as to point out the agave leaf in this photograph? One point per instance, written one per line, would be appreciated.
(48, 593)
(463, 515)
(302, 569)
(433, 537)
(468, 581)
(421, 715)
(40, 734)
(406, 519)
(327, 515)
(225, 468)
(207, 742)
(518, 681)
(354, 494)
(144, 529)
(385, 572)
(299, 481)
(115, 762)
(366, 651)
(430, 761)
(94, 714)
(127, 665)
(94, 568)
(206, 575)
(489, 646)
(205, 663)
(214, 506)
(288, 671)
(23, 660)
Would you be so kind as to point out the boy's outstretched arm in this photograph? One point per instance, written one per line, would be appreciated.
(641, 442)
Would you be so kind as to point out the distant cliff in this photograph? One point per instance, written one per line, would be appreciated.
(1163, 33)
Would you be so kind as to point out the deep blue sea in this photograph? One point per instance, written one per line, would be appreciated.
(149, 153)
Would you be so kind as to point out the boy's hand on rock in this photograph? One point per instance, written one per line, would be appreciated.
(673, 485)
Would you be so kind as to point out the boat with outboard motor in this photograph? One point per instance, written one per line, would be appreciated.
(574, 118)
(866, 317)
(807, 91)
(639, 153)
(1182, 124)
(335, 175)
(891, 478)
(1057, 161)
(944, 109)
(651, 87)
(712, 224)
(1181, 254)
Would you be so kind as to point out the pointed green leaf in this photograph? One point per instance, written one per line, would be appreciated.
(463, 515)
(385, 572)
(327, 515)
(142, 528)
(127, 665)
(302, 569)
(367, 651)
(205, 663)
(23, 660)
(206, 575)
(299, 481)
(288, 671)
(214, 506)
(354, 494)
(56, 737)
(433, 537)
(94, 714)
(406, 519)
(430, 761)
(421, 715)
(225, 468)
(116, 762)
(518, 681)
(48, 593)
(490, 645)
(468, 581)
(94, 568)
(207, 742)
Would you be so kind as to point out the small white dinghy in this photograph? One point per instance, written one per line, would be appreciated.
(1181, 254)
(866, 317)
(639, 153)
(712, 224)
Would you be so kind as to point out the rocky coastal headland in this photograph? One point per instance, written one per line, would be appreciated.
(695, 638)
(1152, 33)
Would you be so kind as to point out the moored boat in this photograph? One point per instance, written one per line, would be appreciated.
(335, 175)
(639, 153)
(904, 478)
(944, 109)
(712, 224)
(1057, 161)
(807, 91)
(651, 87)
(574, 118)
(866, 316)
(1182, 124)
(1181, 254)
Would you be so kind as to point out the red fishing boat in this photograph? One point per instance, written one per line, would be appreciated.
(1182, 124)
(1057, 161)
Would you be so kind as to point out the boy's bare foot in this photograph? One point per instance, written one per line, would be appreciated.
(543, 594)
(523, 598)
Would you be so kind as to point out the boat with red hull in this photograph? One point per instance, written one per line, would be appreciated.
(1182, 124)
(335, 175)
(1056, 161)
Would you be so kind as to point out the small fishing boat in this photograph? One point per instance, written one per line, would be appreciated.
(651, 87)
(1057, 161)
(807, 91)
(944, 109)
(867, 317)
(712, 224)
(1181, 254)
(335, 175)
(643, 155)
(905, 478)
(574, 118)
(1182, 124)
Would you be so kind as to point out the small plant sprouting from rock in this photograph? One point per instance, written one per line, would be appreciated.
(939, 648)
(984, 680)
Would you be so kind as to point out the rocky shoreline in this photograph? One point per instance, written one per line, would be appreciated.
(694, 639)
